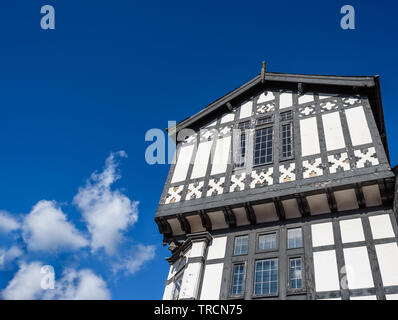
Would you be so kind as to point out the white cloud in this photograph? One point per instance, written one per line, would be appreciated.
(74, 285)
(8, 223)
(79, 285)
(26, 283)
(7, 257)
(135, 260)
(108, 213)
(46, 228)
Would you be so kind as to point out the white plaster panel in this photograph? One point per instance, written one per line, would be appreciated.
(221, 155)
(217, 248)
(285, 100)
(359, 274)
(326, 273)
(351, 230)
(168, 292)
(212, 282)
(358, 126)
(211, 124)
(201, 160)
(333, 131)
(171, 272)
(392, 296)
(227, 117)
(190, 281)
(322, 234)
(364, 298)
(330, 299)
(197, 249)
(182, 165)
(306, 98)
(387, 255)
(381, 227)
(266, 96)
(246, 110)
(372, 195)
(309, 137)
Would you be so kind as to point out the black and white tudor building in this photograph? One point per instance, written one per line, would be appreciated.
(283, 191)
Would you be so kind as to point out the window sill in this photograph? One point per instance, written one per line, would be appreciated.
(262, 164)
(296, 292)
(265, 296)
(286, 159)
(267, 251)
(295, 248)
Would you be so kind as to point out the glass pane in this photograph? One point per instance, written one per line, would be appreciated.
(294, 238)
(240, 245)
(263, 146)
(295, 273)
(267, 241)
(266, 279)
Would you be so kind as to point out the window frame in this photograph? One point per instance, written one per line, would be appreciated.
(287, 238)
(238, 296)
(281, 124)
(233, 249)
(254, 295)
(303, 288)
(177, 279)
(262, 117)
(258, 250)
(238, 156)
(260, 127)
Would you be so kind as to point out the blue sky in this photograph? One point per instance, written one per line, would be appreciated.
(111, 70)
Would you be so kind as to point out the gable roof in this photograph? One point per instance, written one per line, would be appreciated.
(368, 85)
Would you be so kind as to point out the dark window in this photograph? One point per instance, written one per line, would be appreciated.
(263, 146)
(240, 245)
(267, 242)
(242, 145)
(295, 274)
(238, 277)
(266, 277)
(264, 120)
(287, 140)
(288, 115)
(294, 238)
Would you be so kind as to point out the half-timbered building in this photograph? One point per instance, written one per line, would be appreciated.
(282, 189)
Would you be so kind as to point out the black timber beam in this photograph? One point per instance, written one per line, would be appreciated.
(331, 201)
(229, 216)
(163, 226)
(280, 210)
(360, 196)
(303, 206)
(386, 188)
(185, 226)
(206, 222)
(250, 214)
